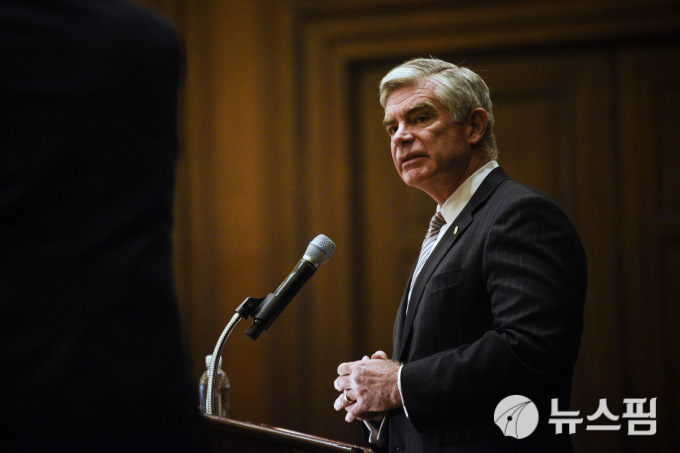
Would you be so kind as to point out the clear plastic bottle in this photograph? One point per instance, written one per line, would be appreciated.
(222, 406)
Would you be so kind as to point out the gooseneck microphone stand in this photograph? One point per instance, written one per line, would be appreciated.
(244, 310)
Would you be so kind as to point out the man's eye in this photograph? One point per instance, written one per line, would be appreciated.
(421, 119)
(392, 130)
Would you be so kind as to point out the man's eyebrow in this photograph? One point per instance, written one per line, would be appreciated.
(387, 122)
(419, 106)
(411, 110)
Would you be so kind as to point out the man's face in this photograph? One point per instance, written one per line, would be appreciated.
(430, 151)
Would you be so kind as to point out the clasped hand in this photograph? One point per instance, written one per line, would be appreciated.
(369, 387)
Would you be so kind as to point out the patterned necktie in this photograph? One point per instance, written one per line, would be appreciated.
(430, 238)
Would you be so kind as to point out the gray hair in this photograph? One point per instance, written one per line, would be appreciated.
(459, 89)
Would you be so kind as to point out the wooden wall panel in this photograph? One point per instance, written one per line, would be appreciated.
(226, 224)
(650, 91)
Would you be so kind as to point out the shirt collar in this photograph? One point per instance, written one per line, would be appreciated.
(462, 195)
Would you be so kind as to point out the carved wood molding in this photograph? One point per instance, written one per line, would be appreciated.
(397, 29)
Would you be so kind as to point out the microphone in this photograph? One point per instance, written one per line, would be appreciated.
(318, 252)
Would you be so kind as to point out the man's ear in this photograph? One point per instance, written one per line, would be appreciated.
(478, 121)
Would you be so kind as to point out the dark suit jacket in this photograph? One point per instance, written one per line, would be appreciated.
(90, 339)
(496, 311)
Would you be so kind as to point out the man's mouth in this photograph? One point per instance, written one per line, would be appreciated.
(412, 158)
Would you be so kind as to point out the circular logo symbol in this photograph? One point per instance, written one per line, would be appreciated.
(516, 416)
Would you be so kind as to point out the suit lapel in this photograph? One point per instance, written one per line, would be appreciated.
(404, 321)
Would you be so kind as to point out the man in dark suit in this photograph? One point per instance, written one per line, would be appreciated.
(90, 340)
(494, 306)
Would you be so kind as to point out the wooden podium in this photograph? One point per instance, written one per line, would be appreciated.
(235, 436)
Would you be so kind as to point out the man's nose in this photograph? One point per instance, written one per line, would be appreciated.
(402, 135)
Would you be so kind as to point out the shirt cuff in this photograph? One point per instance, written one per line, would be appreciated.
(403, 403)
(376, 435)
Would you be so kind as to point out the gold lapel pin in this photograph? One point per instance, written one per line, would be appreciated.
(455, 230)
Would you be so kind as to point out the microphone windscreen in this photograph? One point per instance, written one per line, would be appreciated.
(319, 250)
